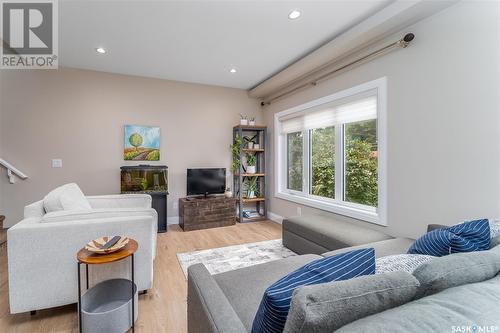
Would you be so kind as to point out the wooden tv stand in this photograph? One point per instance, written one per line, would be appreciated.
(204, 213)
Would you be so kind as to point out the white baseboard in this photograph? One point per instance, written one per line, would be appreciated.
(275, 217)
(173, 220)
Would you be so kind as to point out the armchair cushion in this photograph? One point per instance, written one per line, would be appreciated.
(66, 197)
(94, 214)
(120, 201)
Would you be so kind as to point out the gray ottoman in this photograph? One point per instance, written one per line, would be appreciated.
(319, 234)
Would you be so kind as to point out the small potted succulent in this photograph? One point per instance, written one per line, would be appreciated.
(251, 163)
(243, 119)
(252, 187)
(250, 141)
(251, 122)
(228, 193)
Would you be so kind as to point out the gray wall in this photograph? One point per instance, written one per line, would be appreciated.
(443, 120)
(79, 115)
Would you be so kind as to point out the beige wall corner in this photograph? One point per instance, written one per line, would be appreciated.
(78, 116)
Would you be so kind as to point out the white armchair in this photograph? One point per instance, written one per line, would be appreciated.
(42, 249)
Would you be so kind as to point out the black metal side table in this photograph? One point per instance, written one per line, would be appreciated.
(89, 258)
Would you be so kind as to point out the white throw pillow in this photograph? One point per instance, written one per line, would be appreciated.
(66, 197)
(494, 227)
(400, 262)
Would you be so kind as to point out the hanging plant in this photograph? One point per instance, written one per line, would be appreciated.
(236, 150)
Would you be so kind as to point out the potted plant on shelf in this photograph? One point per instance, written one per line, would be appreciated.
(250, 141)
(252, 187)
(251, 163)
(243, 120)
(251, 122)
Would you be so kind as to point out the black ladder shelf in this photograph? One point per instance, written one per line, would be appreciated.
(258, 204)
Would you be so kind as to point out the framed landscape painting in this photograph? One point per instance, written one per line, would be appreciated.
(142, 143)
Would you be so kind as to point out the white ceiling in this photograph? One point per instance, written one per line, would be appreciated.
(199, 41)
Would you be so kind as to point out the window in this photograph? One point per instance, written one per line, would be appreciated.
(295, 161)
(360, 176)
(331, 152)
(323, 162)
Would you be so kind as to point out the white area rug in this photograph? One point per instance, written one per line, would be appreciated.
(229, 258)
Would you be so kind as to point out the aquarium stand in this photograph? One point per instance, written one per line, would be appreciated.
(152, 180)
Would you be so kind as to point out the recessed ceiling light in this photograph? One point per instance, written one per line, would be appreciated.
(294, 14)
(100, 50)
(232, 70)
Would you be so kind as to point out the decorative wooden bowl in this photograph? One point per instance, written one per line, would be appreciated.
(96, 245)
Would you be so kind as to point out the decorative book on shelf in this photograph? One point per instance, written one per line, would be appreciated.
(249, 167)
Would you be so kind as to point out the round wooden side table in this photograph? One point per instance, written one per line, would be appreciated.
(89, 258)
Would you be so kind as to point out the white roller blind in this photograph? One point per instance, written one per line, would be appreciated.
(331, 114)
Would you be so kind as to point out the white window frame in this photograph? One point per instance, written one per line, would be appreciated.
(376, 215)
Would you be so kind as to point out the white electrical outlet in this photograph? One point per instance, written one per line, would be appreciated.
(57, 163)
(176, 205)
(299, 211)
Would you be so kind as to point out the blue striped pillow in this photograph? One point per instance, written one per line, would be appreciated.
(273, 309)
(473, 236)
(464, 237)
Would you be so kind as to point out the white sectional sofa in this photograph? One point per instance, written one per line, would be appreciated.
(42, 248)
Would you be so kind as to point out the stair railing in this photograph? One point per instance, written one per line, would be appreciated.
(11, 171)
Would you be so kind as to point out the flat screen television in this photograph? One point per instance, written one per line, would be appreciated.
(206, 181)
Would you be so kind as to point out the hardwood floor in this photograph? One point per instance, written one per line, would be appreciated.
(163, 309)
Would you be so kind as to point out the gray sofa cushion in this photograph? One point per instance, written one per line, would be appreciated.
(331, 233)
(455, 270)
(476, 303)
(244, 287)
(329, 306)
(382, 248)
(208, 309)
(300, 245)
(431, 227)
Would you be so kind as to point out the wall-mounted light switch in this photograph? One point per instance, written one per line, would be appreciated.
(299, 211)
(57, 163)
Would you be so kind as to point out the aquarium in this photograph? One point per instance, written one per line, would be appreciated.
(144, 179)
